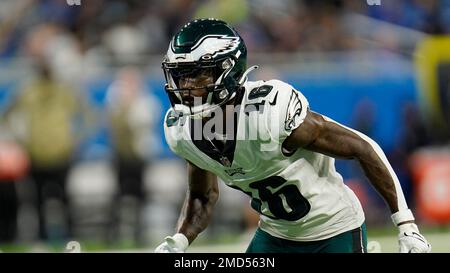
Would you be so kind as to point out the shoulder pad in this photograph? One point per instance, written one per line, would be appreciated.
(173, 128)
(174, 118)
(287, 109)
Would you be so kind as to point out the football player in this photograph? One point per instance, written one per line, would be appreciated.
(276, 150)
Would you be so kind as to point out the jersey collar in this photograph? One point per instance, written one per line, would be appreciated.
(215, 149)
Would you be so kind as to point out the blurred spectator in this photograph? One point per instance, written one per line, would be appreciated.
(13, 167)
(364, 117)
(363, 120)
(132, 113)
(126, 42)
(413, 136)
(233, 11)
(48, 118)
(423, 15)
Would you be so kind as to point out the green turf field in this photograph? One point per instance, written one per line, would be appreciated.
(382, 240)
(384, 244)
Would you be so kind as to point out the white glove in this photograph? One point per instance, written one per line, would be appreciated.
(411, 241)
(177, 243)
(409, 238)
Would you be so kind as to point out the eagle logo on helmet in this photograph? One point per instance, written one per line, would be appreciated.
(216, 44)
(205, 45)
(210, 45)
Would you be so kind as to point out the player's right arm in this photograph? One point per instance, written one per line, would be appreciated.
(201, 197)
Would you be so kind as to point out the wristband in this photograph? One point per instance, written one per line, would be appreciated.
(402, 216)
(180, 240)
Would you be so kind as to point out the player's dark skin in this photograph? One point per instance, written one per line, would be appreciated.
(315, 134)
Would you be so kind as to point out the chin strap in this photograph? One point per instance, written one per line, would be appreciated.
(243, 79)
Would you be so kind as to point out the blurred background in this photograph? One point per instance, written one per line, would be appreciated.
(82, 151)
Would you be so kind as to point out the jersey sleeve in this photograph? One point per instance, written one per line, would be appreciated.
(288, 109)
(173, 130)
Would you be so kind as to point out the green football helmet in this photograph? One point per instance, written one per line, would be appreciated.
(202, 46)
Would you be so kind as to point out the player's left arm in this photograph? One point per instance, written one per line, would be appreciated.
(321, 134)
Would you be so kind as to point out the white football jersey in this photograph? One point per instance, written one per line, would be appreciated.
(299, 196)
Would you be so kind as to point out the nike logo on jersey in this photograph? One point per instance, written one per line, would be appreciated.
(274, 101)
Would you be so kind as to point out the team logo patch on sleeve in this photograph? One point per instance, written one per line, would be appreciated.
(174, 118)
(293, 112)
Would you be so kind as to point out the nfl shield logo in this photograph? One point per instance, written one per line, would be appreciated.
(225, 161)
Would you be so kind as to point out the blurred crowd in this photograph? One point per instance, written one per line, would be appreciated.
(42, 133)
(125, 28)
(46, 122)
